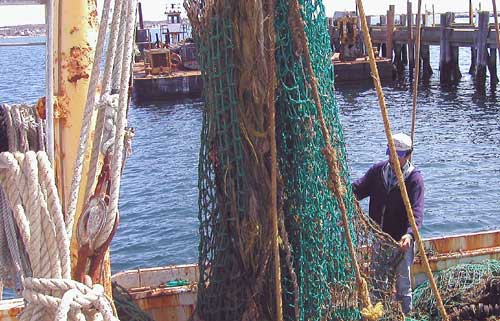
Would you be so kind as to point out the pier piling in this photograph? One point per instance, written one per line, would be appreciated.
(480, 71)
(492, 66)
(390, 31)
(449, 70)
(411, 42)
(425, 53)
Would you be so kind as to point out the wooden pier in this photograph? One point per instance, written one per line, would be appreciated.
(397, 42)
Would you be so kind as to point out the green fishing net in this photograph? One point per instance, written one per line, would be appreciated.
(468, 291)
(237, 281)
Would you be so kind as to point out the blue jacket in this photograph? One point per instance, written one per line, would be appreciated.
(387, 207)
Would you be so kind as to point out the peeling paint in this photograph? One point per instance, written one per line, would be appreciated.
(73, 30)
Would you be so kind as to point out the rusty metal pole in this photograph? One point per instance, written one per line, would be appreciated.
(75, 24)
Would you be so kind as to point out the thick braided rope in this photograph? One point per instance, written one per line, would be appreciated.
(108, 70)
(395, 165)
(74, 295)
(6, 263)
(87, 118)
(14, 196)
(37, 211)
(11, 236)
(54, 206)
(32, 209)
(117, 159)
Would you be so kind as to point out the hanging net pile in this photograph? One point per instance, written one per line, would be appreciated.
(469, 292)
(237, 281)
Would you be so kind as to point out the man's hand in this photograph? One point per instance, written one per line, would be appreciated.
(405, 242)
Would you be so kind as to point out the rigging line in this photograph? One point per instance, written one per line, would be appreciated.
(274, 163)
(395, 164)
(417, 73)
(87, 119)
(301, 46)
(49, 80)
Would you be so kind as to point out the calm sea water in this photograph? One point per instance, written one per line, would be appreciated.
(457, 149)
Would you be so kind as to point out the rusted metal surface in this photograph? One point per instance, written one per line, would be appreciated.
(78, 63)
(10, 309)
(446, 252)
(148, 289)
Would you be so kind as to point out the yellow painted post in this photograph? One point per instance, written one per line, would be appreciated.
(76, 25)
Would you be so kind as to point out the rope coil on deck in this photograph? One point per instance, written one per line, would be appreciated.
(77, 301)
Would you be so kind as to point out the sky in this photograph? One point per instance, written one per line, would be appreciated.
(154, 9)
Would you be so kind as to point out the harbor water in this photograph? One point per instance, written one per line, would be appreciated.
(457, 147)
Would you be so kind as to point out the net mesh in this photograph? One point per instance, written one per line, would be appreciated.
(318, 283)
(236, 281)
(468, 291)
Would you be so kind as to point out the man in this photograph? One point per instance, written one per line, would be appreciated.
(388, 210)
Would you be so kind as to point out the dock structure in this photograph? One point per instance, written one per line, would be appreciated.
(397, 42)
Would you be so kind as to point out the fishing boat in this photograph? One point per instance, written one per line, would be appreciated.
(167, 293)
(168, 67)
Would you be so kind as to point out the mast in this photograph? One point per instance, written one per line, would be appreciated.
(75, 35)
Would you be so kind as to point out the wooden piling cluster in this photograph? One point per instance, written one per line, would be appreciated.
(397, 42)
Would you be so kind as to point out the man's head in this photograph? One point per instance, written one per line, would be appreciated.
(403, 145)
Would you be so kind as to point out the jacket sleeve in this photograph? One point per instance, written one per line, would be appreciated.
(362, 186)
(416, 195)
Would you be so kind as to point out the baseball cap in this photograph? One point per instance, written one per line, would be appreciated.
(403, 144)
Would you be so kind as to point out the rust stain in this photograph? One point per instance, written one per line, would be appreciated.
(59, 111)
(92, 19)
(93, 22)
(41, 108)
(77, 63)
(73, 30)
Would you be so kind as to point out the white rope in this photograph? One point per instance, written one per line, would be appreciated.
(30, 190)
(10, 233)
(110, 106)
(113, 39)
(117, 161)
(49, 79)
(105, 129)
(87, 117)
(118, 63)
(82, 299)
(108, 69)
(54, 205)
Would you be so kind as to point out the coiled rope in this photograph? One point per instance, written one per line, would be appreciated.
(31, 203)
(78, 301)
